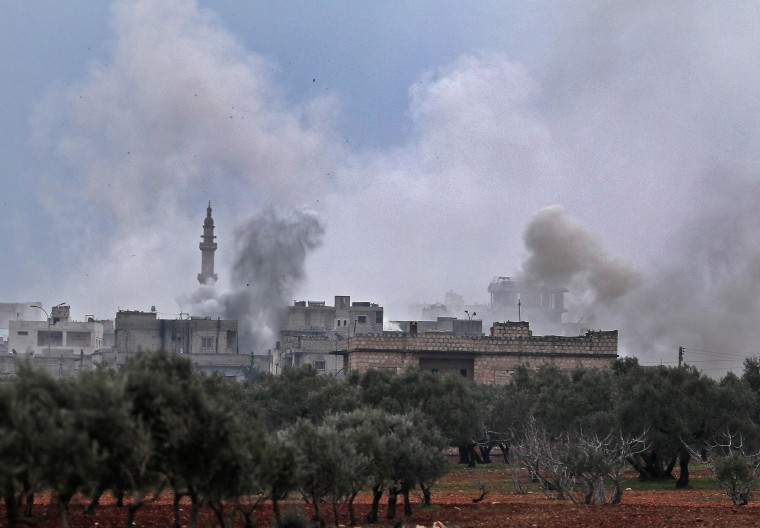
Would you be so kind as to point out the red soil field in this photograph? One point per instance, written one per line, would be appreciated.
(454, 508)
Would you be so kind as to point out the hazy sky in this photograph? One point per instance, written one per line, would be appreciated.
(427, 136)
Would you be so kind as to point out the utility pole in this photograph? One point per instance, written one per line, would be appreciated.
(48, 322)
(680, 356)
(519, 314)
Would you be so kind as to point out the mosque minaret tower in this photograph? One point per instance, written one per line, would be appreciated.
(208, 246)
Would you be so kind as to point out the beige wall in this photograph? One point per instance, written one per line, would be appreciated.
(494, 357)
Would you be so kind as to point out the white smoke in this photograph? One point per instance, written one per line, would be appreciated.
(177, 114)
(619, 113)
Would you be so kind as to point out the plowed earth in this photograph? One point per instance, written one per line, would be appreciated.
(700, 506)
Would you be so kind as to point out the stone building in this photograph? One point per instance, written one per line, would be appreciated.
(314, 328)
(488, 359)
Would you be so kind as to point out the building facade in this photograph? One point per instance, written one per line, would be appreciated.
(313, 329)
(488, 359)
(143, 331)
(57, 336)
(452, 325)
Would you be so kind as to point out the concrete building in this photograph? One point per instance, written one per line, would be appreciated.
(136, 331)
(210, 344)
(510, 300)
(58, 336)
(488, 359)
(207, 247)
(541, 305)
(314, 328)
(25, 311)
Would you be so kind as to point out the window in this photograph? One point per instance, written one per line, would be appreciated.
(379, 317)
(362, 319)
(78, 339)
(56, 338)
(320, 364)
(463, 372)
(207, 342)
(23, 332)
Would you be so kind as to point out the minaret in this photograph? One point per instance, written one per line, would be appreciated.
(208, 246)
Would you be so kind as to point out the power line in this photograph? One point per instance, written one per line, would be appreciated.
(711, 353)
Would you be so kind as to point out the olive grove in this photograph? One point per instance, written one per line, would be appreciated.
(157, 428)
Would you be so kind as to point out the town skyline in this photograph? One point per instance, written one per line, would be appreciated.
(432, 147)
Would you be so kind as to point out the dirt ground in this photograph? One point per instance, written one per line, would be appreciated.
(700, 506)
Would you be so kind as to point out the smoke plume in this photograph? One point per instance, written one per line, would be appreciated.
(564, 253)
(268, 261)
(704, 294)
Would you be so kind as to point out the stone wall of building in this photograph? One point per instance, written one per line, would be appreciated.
(494, 357)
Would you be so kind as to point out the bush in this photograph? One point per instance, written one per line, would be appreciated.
(736, 477)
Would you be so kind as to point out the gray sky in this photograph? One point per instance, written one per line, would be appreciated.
(427, 136)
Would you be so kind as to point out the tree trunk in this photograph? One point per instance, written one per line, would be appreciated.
(335, 512)
(249, 521)
(218, 508)
(392, 500)
(504, 451)
(377, 493)
(193, 512)
(683, 463)
(671, 465)
(473, 456)
(276, 510)
(485, 452)
(317, 513)
(617, 493)
(132, 508)
(407, 504)
(28, 495)
(653, 466)
(425, 494)
(130, 516)
(62, 505)
(351, 512)
(177, 514)
(11, 506)
(634, 462)
(95, 498)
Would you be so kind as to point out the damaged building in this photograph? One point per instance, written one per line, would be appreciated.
(314, 329)
(210, 344)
